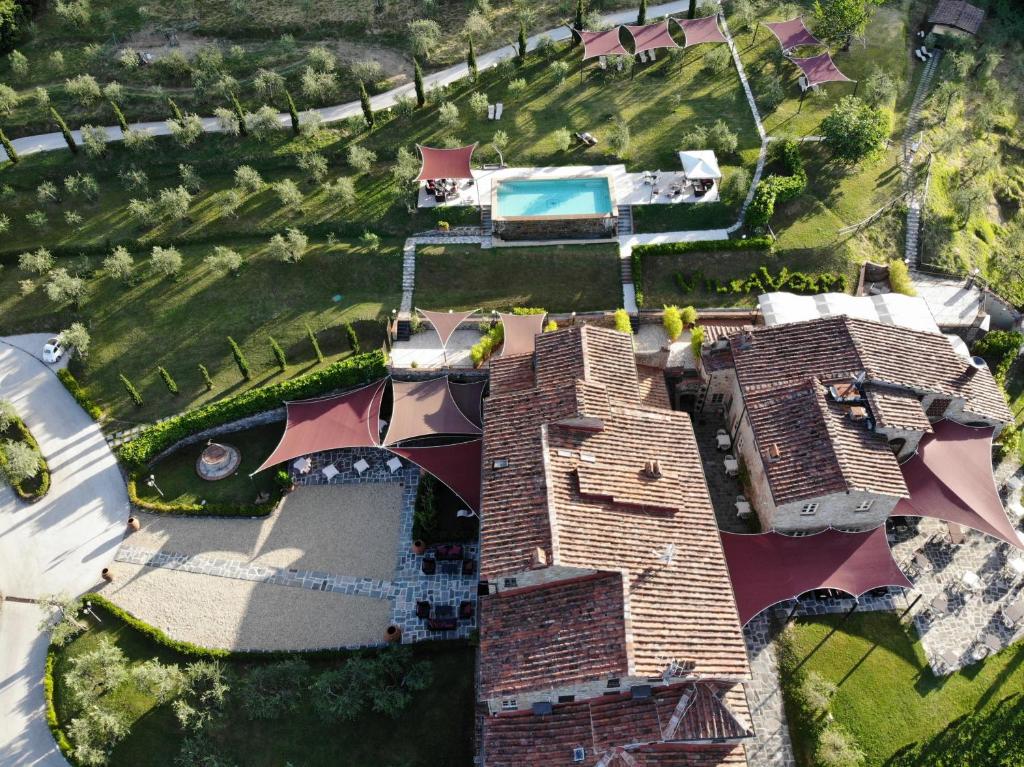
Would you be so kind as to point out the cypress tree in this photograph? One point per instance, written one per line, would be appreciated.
(8, 147)
(641, 17)
(119, 116)
(693, 9)
(65, 130)
(293, 113)
(421, 96)
(315, 344)
(207, 381)
(129, 387)
(471, 61)
(364, 101)
(578, 24)
(240, 114)
(240, 360)
(275, 347)
(353, 338)
(175, 110)
(169, 382)
(522, 43)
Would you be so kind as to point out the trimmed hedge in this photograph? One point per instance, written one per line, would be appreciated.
(762, 281)
(196, 509)
(673, 248)
(18, 432)
(778, 188)
(157, 438)
(75, 389)
(51, 710)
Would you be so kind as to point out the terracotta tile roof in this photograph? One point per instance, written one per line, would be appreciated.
(653, 390)
(959, 14)
(834, 348)
(819, 448)
(604, 725)
(553, 634)
(579, 494)
(896, 409)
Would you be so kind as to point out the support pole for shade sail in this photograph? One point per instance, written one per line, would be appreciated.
(803, 93)
(757, 26)
(856, 85)
(910, 606)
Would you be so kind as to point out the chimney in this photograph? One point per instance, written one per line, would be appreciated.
(539, 558)
(774, 453)
(652, 469)
(858, 413)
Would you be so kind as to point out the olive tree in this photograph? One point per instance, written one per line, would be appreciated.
(8, 99)
(248, 179)
(21, 461)
(224, 259)
(37, 261)
(165, 262)
(360, 158)
(119, 264)
(227, 121)
(424, 36)
(84, 89)
(853, 130)
(262, 123)
(289, 247)
(94, 140)
(61, 286)
(76, 338)
(343, 190)
(187, 130)
(287, 192)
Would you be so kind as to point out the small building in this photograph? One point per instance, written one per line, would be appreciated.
(956, 17)
(822, 412)
(610, 625)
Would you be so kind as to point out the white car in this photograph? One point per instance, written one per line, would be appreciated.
(53, 350)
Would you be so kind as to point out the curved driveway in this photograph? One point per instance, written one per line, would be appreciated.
(59, 544)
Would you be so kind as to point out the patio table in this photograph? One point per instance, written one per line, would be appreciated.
(940, 604)
(732, 467)
(743, 508)
(303, 465)
(992, 642)
(1016, 565)
(971, 580)
(1012, 614)
(724, 443)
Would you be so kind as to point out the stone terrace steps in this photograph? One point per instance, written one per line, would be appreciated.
(625, 223)
(486, 224)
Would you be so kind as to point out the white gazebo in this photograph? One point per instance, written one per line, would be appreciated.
(700, 165)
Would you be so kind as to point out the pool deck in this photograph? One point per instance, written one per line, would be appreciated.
(630, 188)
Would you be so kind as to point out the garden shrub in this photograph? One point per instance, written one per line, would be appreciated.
(240, 360)
(762, 281)
(75, 389)
(275, 347)
(696, 339)
(383, 683)
(673, 322)
(622, 323)
(207, 381)
(353, 337)
(774, 188)
(424, 519)
(315, 344)
(32, 488)
(344, 374)
(1000, 347)
(133, 393)
(172, 385)
(899, 278)
(271, 690)
(494, 336)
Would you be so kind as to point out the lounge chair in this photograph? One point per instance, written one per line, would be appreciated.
(498, 110)
(603, 61)
(395, 464)
(330, 472)
(423, 610)
(361, 466)
(490, 111)
(917, 52)
(651, 54)
(429, 566)
(643, 57)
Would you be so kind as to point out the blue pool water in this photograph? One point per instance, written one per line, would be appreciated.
(554, 197)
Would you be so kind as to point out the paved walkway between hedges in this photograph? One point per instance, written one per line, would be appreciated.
(59, 544)
(49, 142)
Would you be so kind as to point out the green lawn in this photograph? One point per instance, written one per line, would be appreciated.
(559, 278)
(176, 474)
(897, 711)
(435, 731)
(182, 323)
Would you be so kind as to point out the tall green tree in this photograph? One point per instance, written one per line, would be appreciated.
(364, 102)
(8, 147)
(293, 113)
(64, 130)
(417, 75)
(471, 61)
(693, 9)
(119, 116)
(853, 130)
(837, 21)
(236, 107)
(522, 43)
(176, 113)
(641, 17)
(578, 23)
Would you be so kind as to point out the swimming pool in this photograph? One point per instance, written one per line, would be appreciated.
(554, 198)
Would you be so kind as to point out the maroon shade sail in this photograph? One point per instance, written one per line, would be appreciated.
(458, 466)
(792, 33)
(651, 36)
(470, 399)
(446, 323)
(521, 331)
(425, 408)
(820, 69)
(602, 44)
(950, 478)
(445, 163)
(769, 568)
(345, 420)
(702, 30)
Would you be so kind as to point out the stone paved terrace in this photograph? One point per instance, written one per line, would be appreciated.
(723, 488)
(423, 350)
(971, 616)
(771, 746)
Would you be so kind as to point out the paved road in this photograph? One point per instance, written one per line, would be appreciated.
(59, 544)
(48, 142)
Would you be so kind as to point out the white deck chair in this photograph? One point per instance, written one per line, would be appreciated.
(330, 472)
(490, 111)
(651, 54)
(643, 57)
(603, 62)
(497, 110)
(360, 466)
(394, 465)
(620, 63)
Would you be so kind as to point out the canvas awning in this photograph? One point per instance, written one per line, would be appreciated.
(651, 36)
(458, 466)
(702, 30)
(470, 399)
(700, 164)
(792, 33)
(950, 478)
(445, 323)
(425, 408)
(602, 44)
(521, 331)
(344, 420)
(769, 568)
(445, 163)
(820, 69)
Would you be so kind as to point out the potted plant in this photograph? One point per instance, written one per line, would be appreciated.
(133, 525)
(418, 546)
(393, 634)
(108, 574)
(284, 480)
(444, 226)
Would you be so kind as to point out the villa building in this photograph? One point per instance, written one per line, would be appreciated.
(609, 634)
(822, 413)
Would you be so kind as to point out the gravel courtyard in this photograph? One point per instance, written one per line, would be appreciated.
(242, 615)
(343, 529)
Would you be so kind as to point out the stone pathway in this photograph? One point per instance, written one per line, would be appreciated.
(971, 616)
(771, 746)
(911, 249)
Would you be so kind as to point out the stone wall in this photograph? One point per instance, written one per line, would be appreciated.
(260, 419)
(557, 229)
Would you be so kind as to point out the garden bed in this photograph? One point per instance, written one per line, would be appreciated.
(33, 488)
